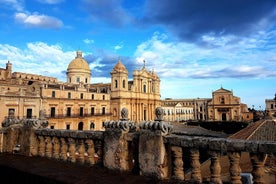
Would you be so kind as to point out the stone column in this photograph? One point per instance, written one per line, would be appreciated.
(215, 168)
(235, 170)
(72, 150)
(63, 149)
(196, 173)
(257, 161)
(41, 147)
(99, 148)
(90, 152)
(178, 172)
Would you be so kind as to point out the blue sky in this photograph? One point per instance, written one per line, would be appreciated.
(195, 46)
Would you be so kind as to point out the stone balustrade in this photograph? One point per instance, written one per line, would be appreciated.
(150, 150)
(68, 145)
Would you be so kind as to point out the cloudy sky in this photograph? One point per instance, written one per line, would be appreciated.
(195, 46)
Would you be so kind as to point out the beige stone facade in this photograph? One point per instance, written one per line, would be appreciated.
(224, 106)
(77, 104)
(270, 106)
(185, 109)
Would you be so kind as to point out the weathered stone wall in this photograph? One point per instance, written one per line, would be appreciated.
(153, 156)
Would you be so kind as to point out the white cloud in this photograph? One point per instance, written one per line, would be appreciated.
(244, 57)
(38, 58)
(88, 41)
(119, 46)
(37, 20)
(51, 1)
(17, 5)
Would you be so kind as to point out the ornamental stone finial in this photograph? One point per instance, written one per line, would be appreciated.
(124, 113)
(159, 114)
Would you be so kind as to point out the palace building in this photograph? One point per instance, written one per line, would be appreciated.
(224, 106)
(77, 104)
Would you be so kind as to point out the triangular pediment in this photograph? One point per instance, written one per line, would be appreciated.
(222, 90)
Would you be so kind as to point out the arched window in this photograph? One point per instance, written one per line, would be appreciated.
(124, 84)
(116, 83)
(80, 126)
(92, 126)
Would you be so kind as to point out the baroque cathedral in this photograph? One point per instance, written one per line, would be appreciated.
(78, 104)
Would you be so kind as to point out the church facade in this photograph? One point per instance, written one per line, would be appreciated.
(224, 106)
(77, 104)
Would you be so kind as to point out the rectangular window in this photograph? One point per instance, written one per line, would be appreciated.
(67, 127)
(81, 96)
(92, 97)
(271, 106)
(81, 111)
(52, 127)
(69, 95)
(145, 88)
(92, 110)
(78, 79)
(53, 94)
(68, 112)
(53, 111)
(103, 110)
(103, 97)
(29, 113)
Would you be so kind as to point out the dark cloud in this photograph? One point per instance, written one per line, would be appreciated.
(107, 11)
(189, 19)
(106, 63)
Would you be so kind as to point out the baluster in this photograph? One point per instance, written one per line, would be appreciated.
(41, 147)
(72, 150)
(257, 161)
(56, 148)
(196, 173)
(90, 152)
(178, 172)
(215, 168)
(81, 151)
(99, 151)
(64, 149)
(235, 170)
(49, 147)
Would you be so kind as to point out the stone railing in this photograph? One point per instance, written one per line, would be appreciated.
(150, 150)
(73, 146)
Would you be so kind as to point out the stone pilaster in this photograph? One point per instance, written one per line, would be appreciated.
(116, 150)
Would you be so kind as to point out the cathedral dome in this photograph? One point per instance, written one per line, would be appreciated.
(78, 63)
(119, 67)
